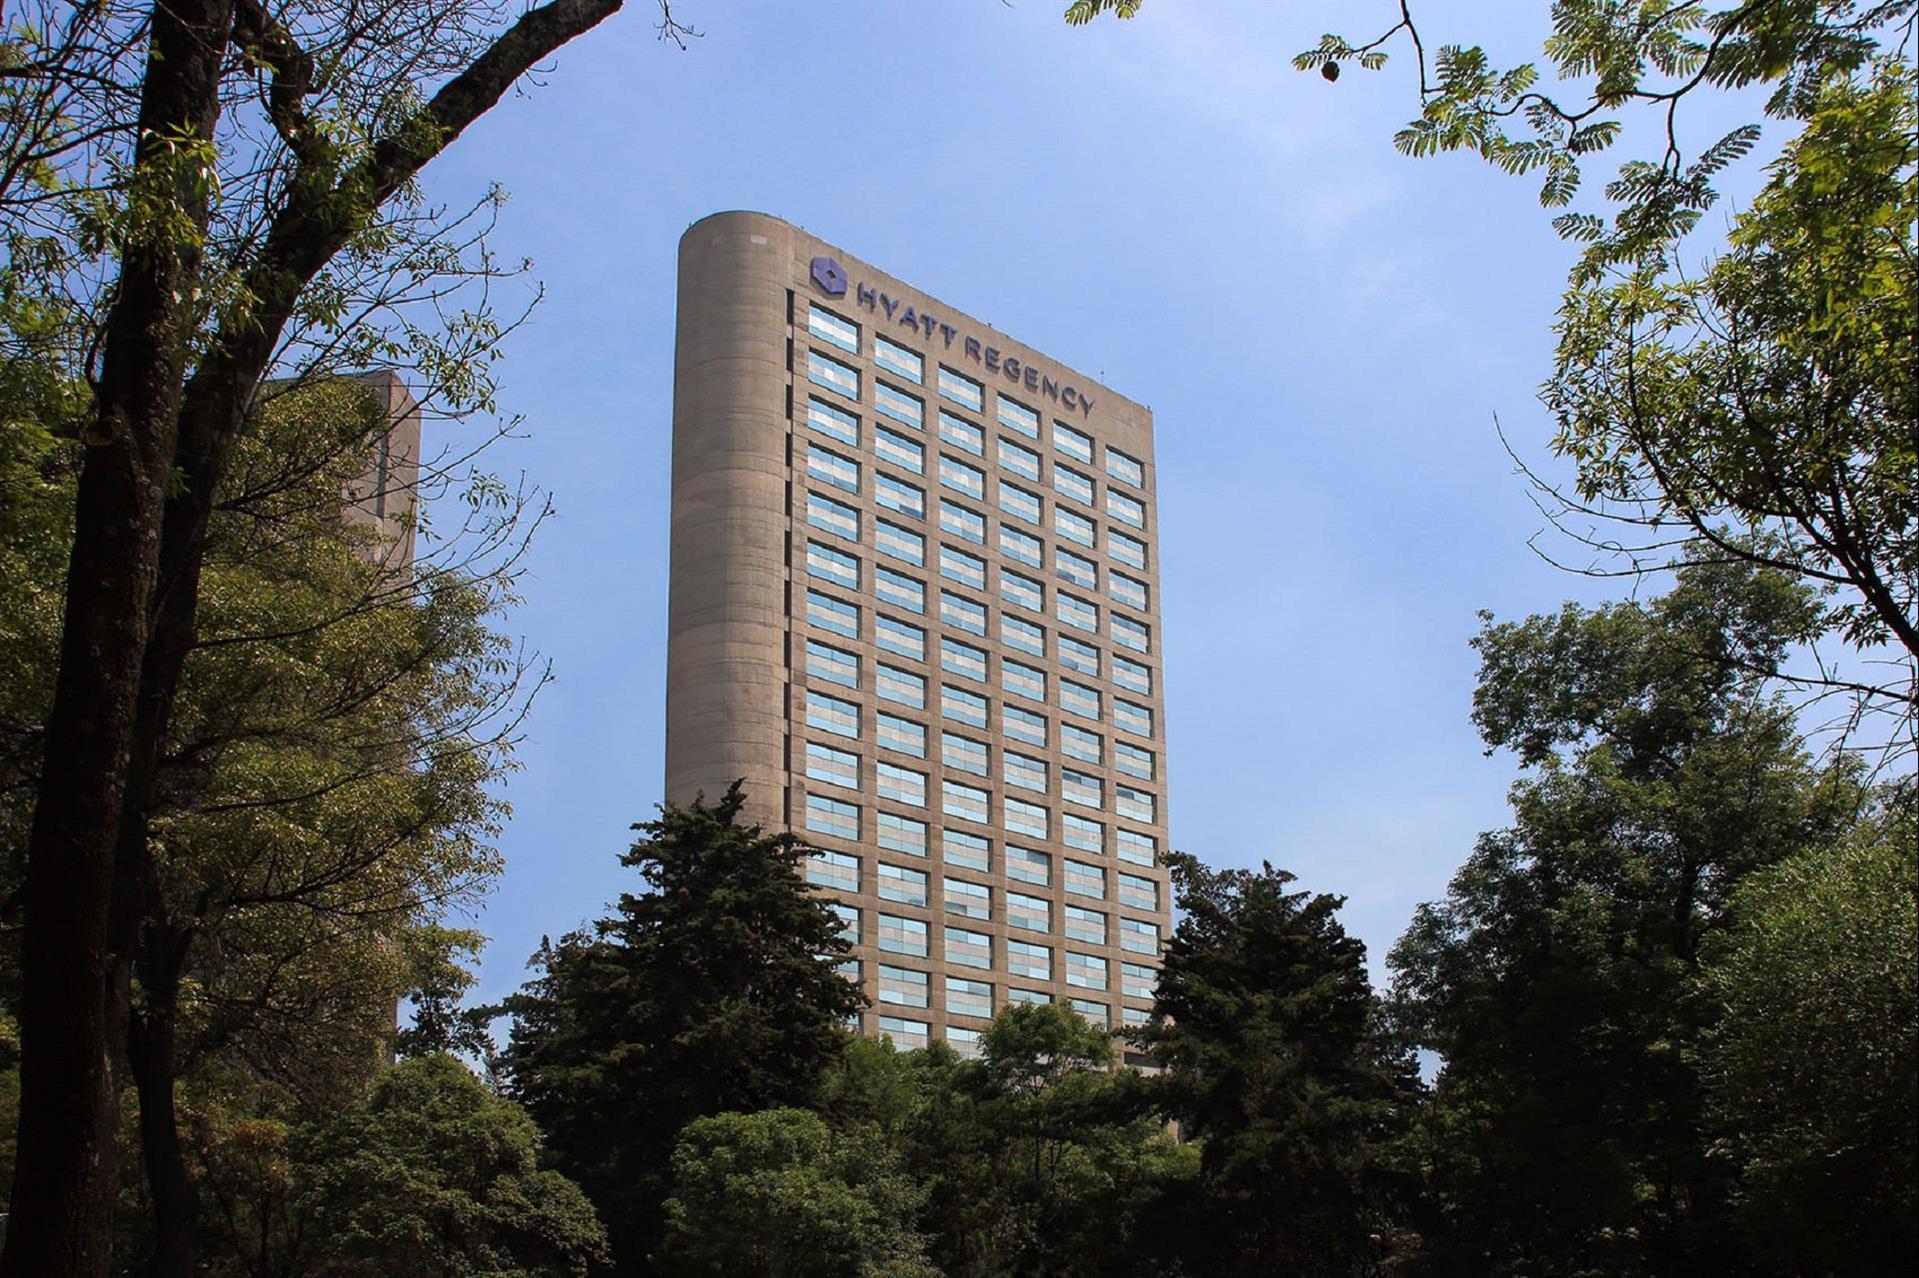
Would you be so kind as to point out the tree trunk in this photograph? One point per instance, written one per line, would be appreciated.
(153, 1055)
(73, 975)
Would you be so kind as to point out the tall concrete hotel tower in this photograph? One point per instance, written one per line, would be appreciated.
(915, 605)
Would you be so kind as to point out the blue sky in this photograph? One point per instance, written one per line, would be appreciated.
(1324, 329)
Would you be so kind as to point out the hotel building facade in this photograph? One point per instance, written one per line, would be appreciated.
(914, 604)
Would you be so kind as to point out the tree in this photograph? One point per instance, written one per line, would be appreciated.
(1812, 1064)
(1268, 1028)
(778, 1194)
(202, 190)
(716, 989)
(429, 1174)
(1557, 981)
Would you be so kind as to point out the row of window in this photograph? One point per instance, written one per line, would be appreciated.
(964, 947)
(909, 1033)
(950, 385)
(911, 987)
(902, 638)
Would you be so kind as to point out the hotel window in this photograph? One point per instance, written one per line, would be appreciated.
(1016, 995)
(1022, 725)
(1075, 528)
(906, 1034)
(968, 851)
(831, 869)
(1077, 569)
(965, 801)
(895, 358)
(1128, 673)
(824, 370)
(1033, 913)
(830, 468)
(1128, 633)
(1136, 848)
(1085, 971)
(1081, 834)
(1138, 804)
(901, 885)
(904, 986)
(968, 525)
(902, 936)
(961, 389)
(1135, 719)
(1140, 893)
(961, 478)
(1075, 444)
(967, 570)
(962, 434)
(830, 714)
(968, 998)
(1127, 470)
(1081, 924)
(1080, 657)
(901, 637)
(899, 589)
(1134, 1016)
(1127, 590)
(963, 754)
(901, 834)
(892, 402)
(1016, 416)
(1125, 509)
(849, 921)
(964, 1042)
(831, 665)
(896, 494)
(1033, 961)
(1138, 936)
(1078, 743)
(1024, 771)
(900, 735)
(1020, 460)
(1083, 879)
(1020, 504)
(1020, 589)
(1017, 545)
(832, 516)
(1068, 482)
(965, 614)
(962, 706)
(1133, 761)
(1028, 866)
(1136, 980)
(968, 900)
(1027, 818)
(968, 949)
(901, 686)
(1022, 636)
(1130, 551)
(902, 544)
(901, 451)
(828, 327)
(832, 565)
(835, 423)
(1027, 681)
(1078, 613)
(901, 785)
(1079, 698)
(831, 614)
(1083, 788)
(961, 658)
(824, 763)
(1097, 1013)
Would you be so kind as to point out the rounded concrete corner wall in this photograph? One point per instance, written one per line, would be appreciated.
(726, 608)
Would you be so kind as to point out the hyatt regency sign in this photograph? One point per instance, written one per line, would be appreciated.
(831, 277)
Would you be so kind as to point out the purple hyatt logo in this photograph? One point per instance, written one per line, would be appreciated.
(829, 275)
